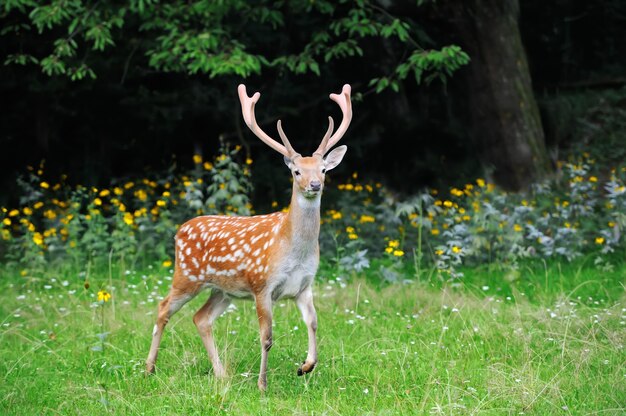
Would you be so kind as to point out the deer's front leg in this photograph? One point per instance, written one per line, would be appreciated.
(305, 304)
(264, 313)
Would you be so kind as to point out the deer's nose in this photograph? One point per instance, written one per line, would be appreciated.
(316, 185)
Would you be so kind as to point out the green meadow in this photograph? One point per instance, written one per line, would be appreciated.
(547, 340)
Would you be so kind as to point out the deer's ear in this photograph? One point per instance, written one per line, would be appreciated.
(287, 161)
(335, 157)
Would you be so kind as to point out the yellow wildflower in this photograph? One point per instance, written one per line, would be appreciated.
(456, 249)
(434, 231)
(141, 194)
(349, 229)
(248, 161)
(129, 185)
(208, 165)
(38, 205)
(6, 222)
(197, 159)
(128, 218)
(349, 187)
(593, 179)
(167, 263)
(105, 192)
(447, 204)
(97, 202)
(611, 224)
(44, 185)
(14, 213)
(518, 228)
(456, 192)
(336, 215)
(166, 194)
(27, 211)
(439, 252)
(160, 203)
(103, 296)
(353, 236)
(480, 182)
(599, 240)
(38, 239)
(389, 250)
(50, 214)
(367, 218)
(118, 191)
(398, 253)
(394, 243)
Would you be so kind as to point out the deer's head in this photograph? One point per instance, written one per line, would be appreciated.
(308, 172)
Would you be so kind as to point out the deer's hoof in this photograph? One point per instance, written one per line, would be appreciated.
(219, 372)
(150, 368)
(262, 385)
(305, 368)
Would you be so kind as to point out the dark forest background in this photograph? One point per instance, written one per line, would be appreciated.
(443, 91)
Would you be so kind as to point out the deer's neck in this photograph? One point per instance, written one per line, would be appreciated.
(304, 218)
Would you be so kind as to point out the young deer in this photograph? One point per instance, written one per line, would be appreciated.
(264, 257)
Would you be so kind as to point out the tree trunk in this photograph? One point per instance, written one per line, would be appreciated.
(505, 120)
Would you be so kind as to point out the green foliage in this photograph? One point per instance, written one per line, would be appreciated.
(130, 219)
(222, 38)
(577, 214)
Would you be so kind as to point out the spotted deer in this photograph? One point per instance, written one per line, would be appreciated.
(263, 257)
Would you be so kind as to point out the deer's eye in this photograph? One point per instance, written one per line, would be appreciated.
(323, 170)
(296, 172)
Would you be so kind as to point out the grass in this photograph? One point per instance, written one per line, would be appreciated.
(542, 341)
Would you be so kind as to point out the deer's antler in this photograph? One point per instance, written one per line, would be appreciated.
(343, 100)
(247, 108)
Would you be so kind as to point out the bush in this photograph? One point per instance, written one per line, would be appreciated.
(573, 214)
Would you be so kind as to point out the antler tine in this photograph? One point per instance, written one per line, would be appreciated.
(343, 99)
(247, 108)
(321, 150)
(283, 137)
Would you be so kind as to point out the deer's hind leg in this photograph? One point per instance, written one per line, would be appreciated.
(176, 299)
(204, 319)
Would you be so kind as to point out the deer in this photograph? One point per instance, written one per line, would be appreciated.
(263, 257)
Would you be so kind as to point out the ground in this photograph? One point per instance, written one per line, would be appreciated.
(539, 341)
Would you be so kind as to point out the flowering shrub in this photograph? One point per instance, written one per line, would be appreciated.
(131, 219)
(575, 213)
